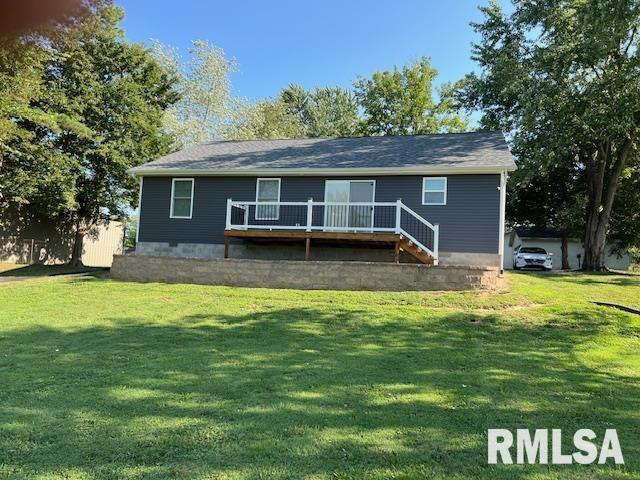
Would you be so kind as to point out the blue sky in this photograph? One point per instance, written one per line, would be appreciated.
(312, 43)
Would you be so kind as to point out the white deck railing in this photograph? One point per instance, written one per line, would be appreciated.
(310, 216)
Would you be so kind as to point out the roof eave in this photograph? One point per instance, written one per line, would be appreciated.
(426, 170)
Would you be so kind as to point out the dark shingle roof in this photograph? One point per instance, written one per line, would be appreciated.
(477, 150)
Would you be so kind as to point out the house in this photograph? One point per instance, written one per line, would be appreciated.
(549, 239)
(436, 199)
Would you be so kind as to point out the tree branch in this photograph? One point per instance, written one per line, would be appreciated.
(633, 34)
(614, 175)
(599, 159)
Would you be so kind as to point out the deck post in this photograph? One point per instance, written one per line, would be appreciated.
(436, 242)
(307, 249)
(397, 253)
(226, 247)
(228, 222)
(398, 214)
(309, 214)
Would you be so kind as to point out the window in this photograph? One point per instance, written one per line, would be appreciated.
(267, 190)
(181, 198)
(434, 191)
(539, 250)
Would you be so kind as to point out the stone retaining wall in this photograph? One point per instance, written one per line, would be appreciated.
(310, 275)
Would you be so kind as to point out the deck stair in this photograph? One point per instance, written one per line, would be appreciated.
(414, 250)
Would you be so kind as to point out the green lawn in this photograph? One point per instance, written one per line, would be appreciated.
(102, 379)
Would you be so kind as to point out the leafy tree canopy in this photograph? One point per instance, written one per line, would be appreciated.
(323, 112)
(206, 105)
(264, 120)
(401, 102)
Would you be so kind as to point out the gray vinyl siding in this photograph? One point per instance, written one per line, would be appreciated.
(469, 222)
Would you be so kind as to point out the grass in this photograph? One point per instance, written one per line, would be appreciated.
(109, 380)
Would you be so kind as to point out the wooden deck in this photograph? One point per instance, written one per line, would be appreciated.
(382, 224)
(395, 240)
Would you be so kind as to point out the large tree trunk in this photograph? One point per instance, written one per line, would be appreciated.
(603, 172)
(564, 245)
(78, 238)
(594, 246)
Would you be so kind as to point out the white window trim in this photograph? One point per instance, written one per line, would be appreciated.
(424, 190)
(258, 180)
(348, 180)
(173, 185)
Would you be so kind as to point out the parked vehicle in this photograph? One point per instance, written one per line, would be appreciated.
(532, 257)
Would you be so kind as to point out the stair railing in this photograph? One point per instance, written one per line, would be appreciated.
(421, 228)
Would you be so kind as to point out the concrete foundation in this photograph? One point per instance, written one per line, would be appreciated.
(293, 251)
(311, 275)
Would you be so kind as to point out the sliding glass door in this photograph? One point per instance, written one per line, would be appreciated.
(357, 217)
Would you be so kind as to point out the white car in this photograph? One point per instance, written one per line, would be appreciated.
(532, 257)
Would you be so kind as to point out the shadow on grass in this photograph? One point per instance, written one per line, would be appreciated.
(38, 270)
(295, 392)
(579, 277)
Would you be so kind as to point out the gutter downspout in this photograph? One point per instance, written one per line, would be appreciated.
(503, 202)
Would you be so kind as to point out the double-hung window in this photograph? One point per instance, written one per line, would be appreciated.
(267, 190)
(434, 191)
(181, 198)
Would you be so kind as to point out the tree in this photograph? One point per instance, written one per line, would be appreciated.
(401, 102)
(111, 95)
(323, 112)
(566, 74)
(131, 231)
(23, 62)
(263, 120)
(539, 194)
(21, 72)
(120, 93)
(206, 105)
(296, 113)
(31, 173)
(22, 69)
